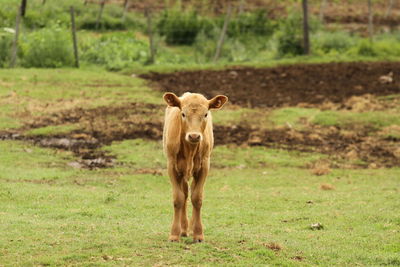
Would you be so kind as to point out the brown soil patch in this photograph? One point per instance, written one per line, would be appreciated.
(98, 130)
(286, 85)
(352, 86)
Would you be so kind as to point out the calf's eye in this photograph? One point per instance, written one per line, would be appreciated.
(205, 116)
(183, 115)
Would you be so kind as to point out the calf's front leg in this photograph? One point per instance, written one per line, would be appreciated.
(184, 218)
(197, 201)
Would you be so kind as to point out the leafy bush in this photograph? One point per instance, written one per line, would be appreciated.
(46, 16)
(233, 50)
(179, 27)
(107, 22)
(382, 48)
(6, 38)
(47, 48)
(7, 14)
(326, 42)
(255, 23)
(290, 34)
(111, 19)
(115, 51)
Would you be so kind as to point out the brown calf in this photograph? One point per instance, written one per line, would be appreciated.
(188, 141)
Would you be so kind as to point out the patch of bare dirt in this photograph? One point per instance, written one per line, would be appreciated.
(309, 84)
(98, 129)
(351, 86)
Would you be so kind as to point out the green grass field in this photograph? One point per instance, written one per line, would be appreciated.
(258, 208)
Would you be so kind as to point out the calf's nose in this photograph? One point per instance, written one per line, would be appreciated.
(194, 137)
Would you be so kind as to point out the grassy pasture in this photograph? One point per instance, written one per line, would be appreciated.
(259, 203)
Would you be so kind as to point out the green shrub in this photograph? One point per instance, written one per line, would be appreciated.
(46, 16)
(6, 37)
(7, 14)
(179, 27)
(107, 22)
(290, 35)
(382, 48)
(233, 50)
(47, 48)
(254, 23)
(115, 51)
(327, 42)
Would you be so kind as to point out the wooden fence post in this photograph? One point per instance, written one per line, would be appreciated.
(103, 2)
(151, 37)
(322, 10)
(370, 21)
(23, 7)
(389, 9)
(306, 32)
(223, 33)
(241, 6)
(16, 34)
(126, 5)
(73, 28)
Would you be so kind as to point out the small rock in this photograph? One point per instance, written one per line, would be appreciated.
(327, 187)
(75, 165)
(316, 226)
(385, 79)
(28, 150)
(233, 74)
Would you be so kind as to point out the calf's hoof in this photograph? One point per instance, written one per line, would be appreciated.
(173, 238)
(198, 238)
(184, 234)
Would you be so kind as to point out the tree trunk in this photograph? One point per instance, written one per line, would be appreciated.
(306, 31)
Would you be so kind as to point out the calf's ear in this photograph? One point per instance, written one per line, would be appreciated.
(172, 100)
(217, 102)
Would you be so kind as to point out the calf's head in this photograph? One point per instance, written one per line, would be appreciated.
(194, 112)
